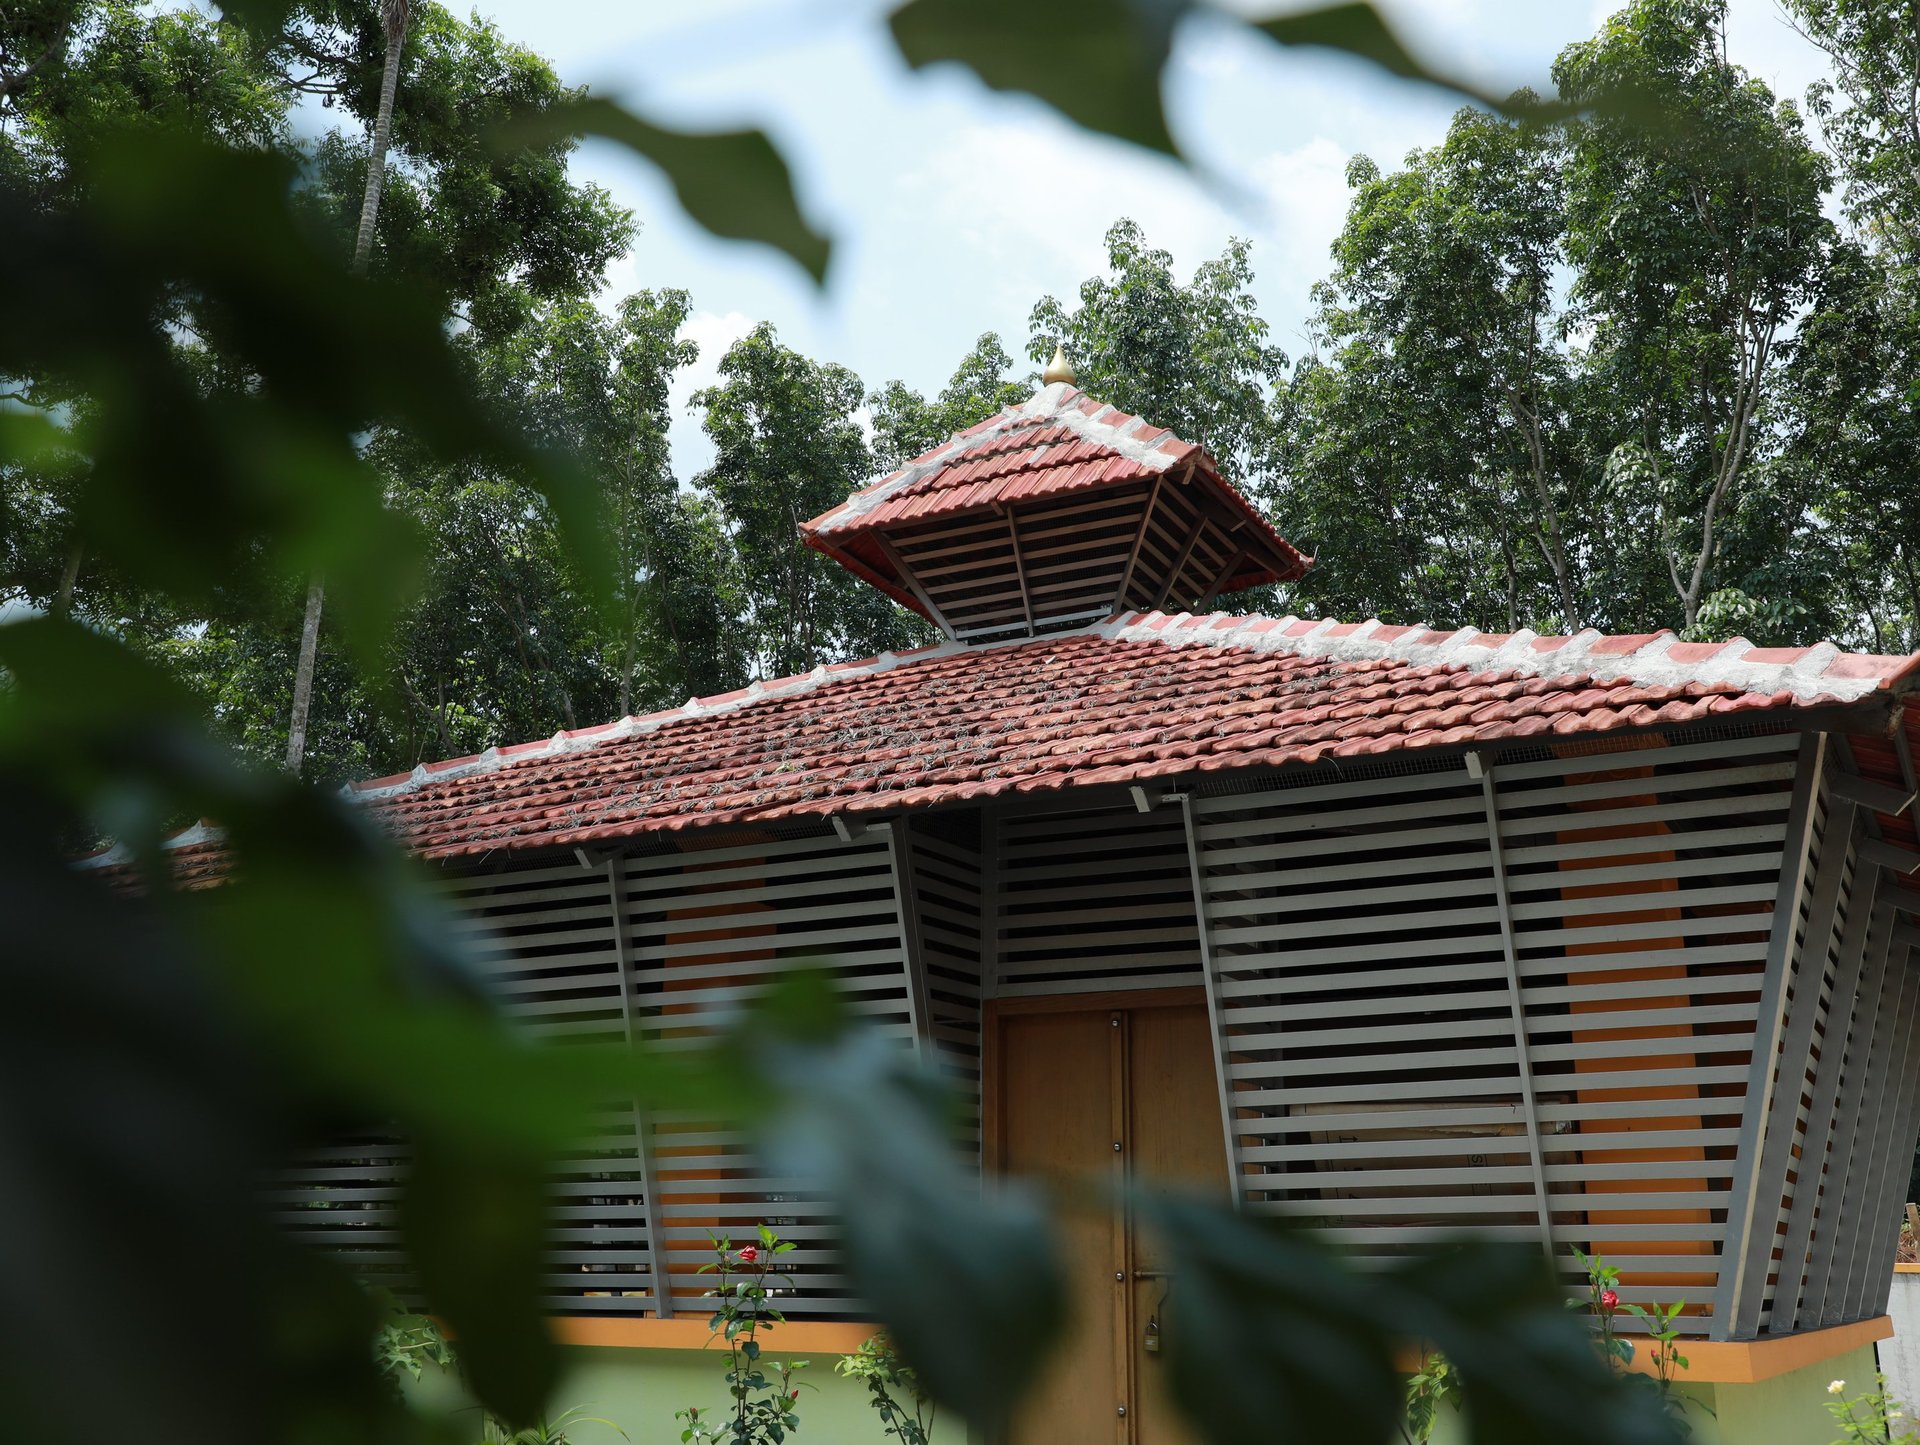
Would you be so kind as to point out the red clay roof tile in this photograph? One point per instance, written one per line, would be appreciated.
(1136, 697)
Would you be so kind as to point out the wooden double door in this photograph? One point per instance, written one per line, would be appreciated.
(1107, 1089)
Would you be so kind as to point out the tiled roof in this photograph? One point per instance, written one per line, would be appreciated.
(1139, 697)
(1060, 440)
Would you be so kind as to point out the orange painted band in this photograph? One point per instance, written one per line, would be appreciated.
(1747, 1362)
(795, 1337)
(1710, 1362)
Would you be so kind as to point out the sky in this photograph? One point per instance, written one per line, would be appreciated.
(954, 208)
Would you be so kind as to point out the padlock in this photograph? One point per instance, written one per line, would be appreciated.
(1152, 1341)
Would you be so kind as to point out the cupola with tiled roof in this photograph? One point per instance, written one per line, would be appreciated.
(1056, 512)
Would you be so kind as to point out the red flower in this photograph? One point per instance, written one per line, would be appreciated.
(794, 1396)
(749, 1253)
(1609, 1300)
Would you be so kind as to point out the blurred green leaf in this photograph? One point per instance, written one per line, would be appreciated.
(134, 1116)
(1097, 62)
(1360, 30)
(969, 1287)
(1254, 1301)
(1260, 1300)
(1527, 1364)
(374, 998)
(735, 183)
(476, 1230)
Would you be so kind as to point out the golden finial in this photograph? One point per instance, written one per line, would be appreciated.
(1059, 369)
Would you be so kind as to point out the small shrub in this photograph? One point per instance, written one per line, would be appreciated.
(894, 1385)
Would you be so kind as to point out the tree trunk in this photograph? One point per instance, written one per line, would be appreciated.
(303, 679)
(69, 575)
(394, 15)
(382, 137)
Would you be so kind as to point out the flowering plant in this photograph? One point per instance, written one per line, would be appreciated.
(1663, 1333)
(765, 1395)
(1868, 1419)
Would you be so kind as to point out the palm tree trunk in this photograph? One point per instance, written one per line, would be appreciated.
(394, 16)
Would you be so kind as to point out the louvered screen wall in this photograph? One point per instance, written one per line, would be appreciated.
(1044, 565)
(1378, 1082)
(945, 887)
(1793, 1148)
(704, 930)
(544, 938)
(1091, 900)
(709, 929)
(1384, 1080)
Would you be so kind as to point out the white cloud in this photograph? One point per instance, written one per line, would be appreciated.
(1029, 204)
(1305, 192)
(713, 333)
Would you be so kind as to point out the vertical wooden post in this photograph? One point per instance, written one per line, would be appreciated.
(913, 959)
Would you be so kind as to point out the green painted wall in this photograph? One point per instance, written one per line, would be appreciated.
(1789, 1409)
(1786, 1410)
(638, 1390)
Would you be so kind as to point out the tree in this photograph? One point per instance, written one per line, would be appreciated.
(468, 78)
(1194, 358)
(1852, 399)
(74, 73)
(1694, 242)
(1870, 110)
(1551, 385)
(1437, 420)
(595, 387)
(492, 230)
(787, 447)
(393, 23)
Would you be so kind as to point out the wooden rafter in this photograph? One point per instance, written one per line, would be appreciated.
(913, 583)
(1019, 568)
(1234, 559)
(1180, 560)
(1139, 540)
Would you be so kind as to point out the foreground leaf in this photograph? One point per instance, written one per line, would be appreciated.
(735, 183)
(1260, 1300)
(1097, 62)
(1254, 1302)
(476, 1230)
(969, 1287)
